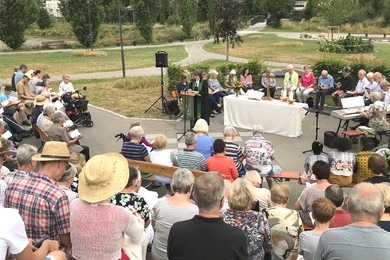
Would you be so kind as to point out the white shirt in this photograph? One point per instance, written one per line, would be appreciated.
(372, 86)
(387, 98)
(66, 87)
(12, 232)
(361, 85)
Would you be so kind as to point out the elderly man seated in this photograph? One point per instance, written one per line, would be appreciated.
(325, 87)
(57, 132)
(133, 149)
(24, 156)
(24, 92)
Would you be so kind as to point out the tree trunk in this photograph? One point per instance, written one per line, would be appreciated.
(227, 48)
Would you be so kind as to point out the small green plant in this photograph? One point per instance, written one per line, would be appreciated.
(349, 44)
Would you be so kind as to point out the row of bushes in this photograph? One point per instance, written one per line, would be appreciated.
(349, 44)
(334, 65)
(256, 67)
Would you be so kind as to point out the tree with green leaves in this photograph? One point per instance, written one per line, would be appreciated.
(187, 15)
(229, 17)
(276, 9)
(145, 17)
(310, 9)
(15, 17)
(212, 14)
(386, 20)
(85, 18)
(44, 20)
(336, 12)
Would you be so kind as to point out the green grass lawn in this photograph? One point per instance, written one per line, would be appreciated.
(270, 47)
(58, 63)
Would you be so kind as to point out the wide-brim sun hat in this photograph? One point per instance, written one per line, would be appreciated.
(102, 177)
(53, 151)
(40, 100)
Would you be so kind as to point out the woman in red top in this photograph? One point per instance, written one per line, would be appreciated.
(220, 163)
(306, 84)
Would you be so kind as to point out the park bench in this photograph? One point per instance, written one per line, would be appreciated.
(48, 44)
(168, 171)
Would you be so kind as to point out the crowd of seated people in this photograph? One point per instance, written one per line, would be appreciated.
(218, 209)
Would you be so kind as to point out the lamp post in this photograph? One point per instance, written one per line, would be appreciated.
(130, 8)
(121, 40)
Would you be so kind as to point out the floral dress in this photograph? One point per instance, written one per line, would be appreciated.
(377, 115)
(132, 202)
(256, 230)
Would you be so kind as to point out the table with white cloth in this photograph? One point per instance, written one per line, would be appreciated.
(275, 116)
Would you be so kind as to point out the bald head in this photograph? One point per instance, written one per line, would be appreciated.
(365, 203)
(324, 73)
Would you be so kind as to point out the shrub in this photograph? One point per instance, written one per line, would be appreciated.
(349, 44)
(201, 31)
(333, 65)
(173, 73)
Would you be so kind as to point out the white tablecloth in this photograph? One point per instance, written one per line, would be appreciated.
(275, 116)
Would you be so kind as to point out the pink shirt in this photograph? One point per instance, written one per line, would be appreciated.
(97, 230)
(307, 81)
(223, 165)
(341, 219)
(244, 80)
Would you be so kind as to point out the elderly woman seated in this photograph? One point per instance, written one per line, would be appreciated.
(384, 222)
(204, 143)
(66, 181)
(233, 150)
(259, 154)
(170, 210)
(321, 170)
(262, 195)
(163, 156)
(57, 132)
(253, 224)
(342, 162)
(376, 114)
(269, 78)
(286, 223)
(48, 116)
(133, 149)
(129, 199)
(217, 90)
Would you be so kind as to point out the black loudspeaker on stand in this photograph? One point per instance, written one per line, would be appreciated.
(161, 62)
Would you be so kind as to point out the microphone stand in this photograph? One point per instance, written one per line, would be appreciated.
(184, 112)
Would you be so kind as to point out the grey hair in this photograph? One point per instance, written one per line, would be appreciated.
(136, 132)
(46, 81)
(58, 117)
(182, 181)
(24, 153)
(290, 67)
(229, 131)
(190, 138)
(69, 173)
(370, 75)
(257, 129)
(201, 126)
(365, 200)
(47, 110)
(375, 96)
(209, 189)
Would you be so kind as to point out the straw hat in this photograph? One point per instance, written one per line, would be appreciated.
(103, 176)
(40, 100)
(53, 151)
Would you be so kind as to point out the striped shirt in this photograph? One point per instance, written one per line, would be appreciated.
(191, 159)
(43, 206)
(134, 151)
(234, 151)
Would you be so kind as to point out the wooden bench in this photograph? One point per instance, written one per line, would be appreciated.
(168, 171)
(158, 169)
(48, 44)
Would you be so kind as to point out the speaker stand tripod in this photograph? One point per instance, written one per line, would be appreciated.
(163, 99)
(317, 127)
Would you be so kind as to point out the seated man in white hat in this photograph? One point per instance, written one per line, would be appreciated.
(43, 206)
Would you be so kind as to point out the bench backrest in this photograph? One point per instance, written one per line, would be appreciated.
(159, 169)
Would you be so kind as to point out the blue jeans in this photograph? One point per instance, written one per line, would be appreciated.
(320, 97)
